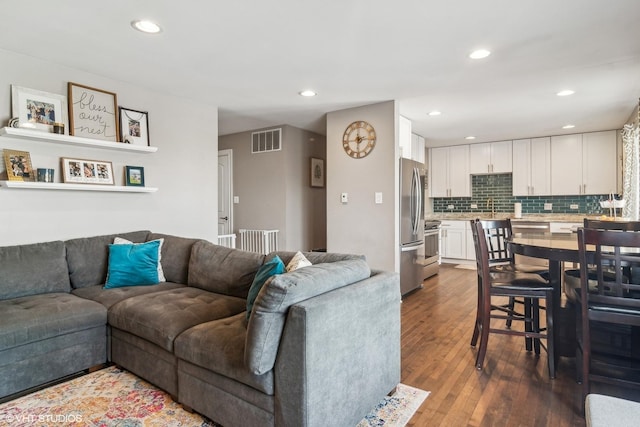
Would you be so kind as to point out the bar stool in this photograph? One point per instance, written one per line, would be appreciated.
(529, 286)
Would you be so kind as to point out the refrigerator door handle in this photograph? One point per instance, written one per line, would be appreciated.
(410, 248)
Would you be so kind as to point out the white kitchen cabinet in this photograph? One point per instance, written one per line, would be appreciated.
(471, 250)
(491, 157)
(417, 148)
(449, 171)
(532, 167)
(453, 239)
(599, 162)
(404, 126)
(584, 163)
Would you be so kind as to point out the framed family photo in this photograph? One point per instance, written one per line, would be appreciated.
(134, 176)
(317, 172)
(38, 110)
(134, 127)
(81, 171)
(93, 113)
(18, 164)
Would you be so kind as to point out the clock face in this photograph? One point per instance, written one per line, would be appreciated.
(359, 139)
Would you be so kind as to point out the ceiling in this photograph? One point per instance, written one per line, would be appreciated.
(251, 58)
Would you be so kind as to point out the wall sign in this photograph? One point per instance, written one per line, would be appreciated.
(92, 113)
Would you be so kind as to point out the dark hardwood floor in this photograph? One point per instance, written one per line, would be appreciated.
(513, 389)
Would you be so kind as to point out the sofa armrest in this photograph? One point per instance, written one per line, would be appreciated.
(339, 354)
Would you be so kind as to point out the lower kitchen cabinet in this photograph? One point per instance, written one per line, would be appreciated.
(453, 239)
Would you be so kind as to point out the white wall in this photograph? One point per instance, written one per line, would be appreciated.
(184, 168)
(361, 226)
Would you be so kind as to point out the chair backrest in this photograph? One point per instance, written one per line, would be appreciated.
(610, 252)
(482, 250)
(612, 225)
(496, 233)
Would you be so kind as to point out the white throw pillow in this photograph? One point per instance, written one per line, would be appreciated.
(121, 241)
(298, 261)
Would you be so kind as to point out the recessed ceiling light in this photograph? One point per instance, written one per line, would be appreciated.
(146, 26)
(565, 92)
(307, 93)
(469, 137)
(434, 113)
(479, 54)
(568, 126)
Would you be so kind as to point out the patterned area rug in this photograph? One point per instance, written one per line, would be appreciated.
(113, 397)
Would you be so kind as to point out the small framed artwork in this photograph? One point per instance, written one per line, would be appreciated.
(134, 176)
(317, 172)
(92, 113)
(82, 171)
(134, 127)
(38, 110)
(18, 165)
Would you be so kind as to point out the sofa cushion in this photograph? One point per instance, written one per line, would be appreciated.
(121, 241)
(298, 261)
(38, 317)
(219, 347)
(108, 297)
(159, 317)
(133, 264)
(176, 252)
(265, 272)
(88, 257)
(272, 304)
(223, 270)
(33, 269)
(313, 257)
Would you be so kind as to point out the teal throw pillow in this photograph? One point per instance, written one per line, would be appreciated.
(267, 270)
(133, 265)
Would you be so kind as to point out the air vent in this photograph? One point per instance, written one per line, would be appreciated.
(266, 140)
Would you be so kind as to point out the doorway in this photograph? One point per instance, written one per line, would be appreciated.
(225, 192)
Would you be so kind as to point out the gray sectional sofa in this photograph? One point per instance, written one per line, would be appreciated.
(321, 344)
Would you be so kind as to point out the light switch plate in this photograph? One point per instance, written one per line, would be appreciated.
(344, 198)
(574, 206)
(548, 206)
(450, 207)
(236, 200)
(474, 206)
(378, 197)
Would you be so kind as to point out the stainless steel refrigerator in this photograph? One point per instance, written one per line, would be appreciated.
(411, 225)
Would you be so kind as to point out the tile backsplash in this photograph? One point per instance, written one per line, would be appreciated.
(499, 187)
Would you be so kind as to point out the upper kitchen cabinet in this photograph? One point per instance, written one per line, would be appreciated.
(532, 167)
(584, 163)
(449, 171)
(491, 157)
(411, 145)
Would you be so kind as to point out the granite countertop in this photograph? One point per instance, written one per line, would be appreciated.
(503, 215)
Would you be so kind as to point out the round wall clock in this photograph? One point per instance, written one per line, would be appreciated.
(359, 139)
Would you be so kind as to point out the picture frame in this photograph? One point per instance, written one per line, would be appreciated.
(134, 176)
(317, 172)
(83, 171)
(18, 164)
(92, 113)
(38, 110)
(134, 126)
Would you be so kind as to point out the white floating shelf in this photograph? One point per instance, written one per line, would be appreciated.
(75, 187)
(35, 135)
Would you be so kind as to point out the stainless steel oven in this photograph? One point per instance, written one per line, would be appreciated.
(431, 248)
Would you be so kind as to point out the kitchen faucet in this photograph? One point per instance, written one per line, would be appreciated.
(490, 203)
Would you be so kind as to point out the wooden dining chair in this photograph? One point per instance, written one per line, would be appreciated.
(494, 285)
(612, 302)
(498, 232)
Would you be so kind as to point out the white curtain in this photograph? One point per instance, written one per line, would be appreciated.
(631, 165)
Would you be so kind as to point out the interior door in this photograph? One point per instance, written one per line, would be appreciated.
(225, 192)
